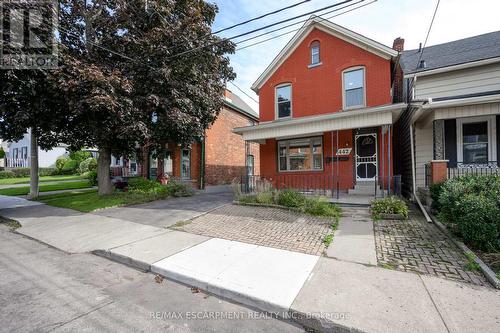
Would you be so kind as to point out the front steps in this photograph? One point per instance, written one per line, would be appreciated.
(365, 188)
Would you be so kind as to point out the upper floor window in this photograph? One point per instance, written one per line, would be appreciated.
(354, 88)
(284, 101)
(315, 53)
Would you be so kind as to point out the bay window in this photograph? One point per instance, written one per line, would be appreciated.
(304, 154)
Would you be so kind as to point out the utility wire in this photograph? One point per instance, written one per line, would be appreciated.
(259, 17)
(258, 29)
(301, 28)
(247, 95)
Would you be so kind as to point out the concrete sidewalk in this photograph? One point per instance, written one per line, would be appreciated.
(327, 294)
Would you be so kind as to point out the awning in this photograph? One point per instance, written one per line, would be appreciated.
(359, 118)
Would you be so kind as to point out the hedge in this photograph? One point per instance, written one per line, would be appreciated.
(471, 206)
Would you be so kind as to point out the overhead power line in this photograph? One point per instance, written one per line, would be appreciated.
(301, 28)
(247, 95)
(258, 29)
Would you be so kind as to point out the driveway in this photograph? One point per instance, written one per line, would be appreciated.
(164, 213)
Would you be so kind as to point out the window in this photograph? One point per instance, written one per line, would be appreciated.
(284, 101)
(354, 88)
(476, 140)
(24, 152)
(300, 154)
(186, 164)
(250, 165)
(315, 53)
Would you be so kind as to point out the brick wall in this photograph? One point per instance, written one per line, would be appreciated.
(225, 153)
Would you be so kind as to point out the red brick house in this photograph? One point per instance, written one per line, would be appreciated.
(326, 112)
(217, 160)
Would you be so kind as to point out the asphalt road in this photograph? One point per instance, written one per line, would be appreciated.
(43, 289)
(164, 213)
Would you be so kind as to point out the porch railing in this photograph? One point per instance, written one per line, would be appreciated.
(17, 162)
(325, 185)
(478, 169)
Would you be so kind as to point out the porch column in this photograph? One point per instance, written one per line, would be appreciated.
(439, 171)
(438, 139)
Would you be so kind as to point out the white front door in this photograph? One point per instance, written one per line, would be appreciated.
(366, 157)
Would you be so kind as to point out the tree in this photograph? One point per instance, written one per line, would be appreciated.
(123, 83)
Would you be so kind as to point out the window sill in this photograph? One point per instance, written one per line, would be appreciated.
(300, 171)
(314, 65)
(353, 107)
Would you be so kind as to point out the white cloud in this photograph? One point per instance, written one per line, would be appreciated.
(383, 21)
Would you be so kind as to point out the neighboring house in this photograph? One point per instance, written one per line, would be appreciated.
(19, 154)
(451, 126)
(326, 112)
(217, 160)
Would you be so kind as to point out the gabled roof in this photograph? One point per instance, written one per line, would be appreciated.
(330, 28)
(239, 105)
(453, 53)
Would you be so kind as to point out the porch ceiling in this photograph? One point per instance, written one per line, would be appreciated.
(360, 118)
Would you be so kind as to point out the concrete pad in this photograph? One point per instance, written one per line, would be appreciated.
(266, 278)
(7, 202)
(465, 307)
(354, 241)
(143, 253)
(87, 232)
(351, 297)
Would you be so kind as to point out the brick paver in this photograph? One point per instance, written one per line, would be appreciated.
(264, 226)
(418, 246)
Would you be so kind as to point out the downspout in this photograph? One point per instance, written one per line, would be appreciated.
(202, 164)
(414, 178)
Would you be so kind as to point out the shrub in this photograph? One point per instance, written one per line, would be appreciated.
(291, 198)
(266, 198)
(145, 186)
(7, 174)
(60, 162)
(92, 177)
(69, 167)
(47, 171)
(389, 205)
(248, 199)
(2, 152)
(319, 207)
(79, 156)
(89, 164)
(177, 189)
(21, 172)
(435, 191)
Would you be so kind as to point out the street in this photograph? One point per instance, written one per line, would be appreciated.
(43, 289)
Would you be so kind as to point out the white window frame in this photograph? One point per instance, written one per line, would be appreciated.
(348, 70)
(287, 154)
(276, 109)
(492, 136)
(315, 44)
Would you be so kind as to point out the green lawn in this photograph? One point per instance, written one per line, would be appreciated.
(26, 180)
(46, 188)
(90, 200)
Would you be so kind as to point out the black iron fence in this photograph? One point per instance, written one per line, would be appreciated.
(428, 175)
(478, 169)
(325, 185)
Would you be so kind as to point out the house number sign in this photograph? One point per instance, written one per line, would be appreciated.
(344, 151)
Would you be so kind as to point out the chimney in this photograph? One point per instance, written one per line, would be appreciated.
(228, 94)
(398, 44)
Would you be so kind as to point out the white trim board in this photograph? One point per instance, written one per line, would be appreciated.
(492, 135)
(329, 28)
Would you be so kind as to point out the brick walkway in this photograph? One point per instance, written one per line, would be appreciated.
(264, 226)
(417, 246)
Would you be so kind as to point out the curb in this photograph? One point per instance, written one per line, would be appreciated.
(319, 324)
(488, 273)
(127, 261)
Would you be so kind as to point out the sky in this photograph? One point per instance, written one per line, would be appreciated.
(383, 21)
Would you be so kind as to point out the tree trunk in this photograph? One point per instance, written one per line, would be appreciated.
(103, 172)
(33, 165)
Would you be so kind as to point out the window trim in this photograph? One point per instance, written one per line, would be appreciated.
(314, 44)
(492, 136)
(353, 69)
(276, 109)
(181, 160)
(287, 155)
